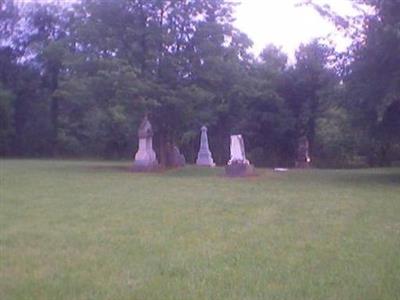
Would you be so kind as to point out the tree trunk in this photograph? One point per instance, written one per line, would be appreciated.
(54, 112)
(384, 160)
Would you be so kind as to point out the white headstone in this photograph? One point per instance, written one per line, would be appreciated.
(145, 154)
(145, 158)
(237, 150)
(204, 157)
(238, 165)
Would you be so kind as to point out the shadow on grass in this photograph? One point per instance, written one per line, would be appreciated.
(187, 171)
(107, 168)
(390, 177)
(192, 171)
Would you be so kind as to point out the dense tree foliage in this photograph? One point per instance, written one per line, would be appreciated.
(76, 80)
(374, 81)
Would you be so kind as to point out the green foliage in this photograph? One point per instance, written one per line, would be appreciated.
(372, 75)
(77, 79)
(6, 123)
(374, 82)
(334, 139)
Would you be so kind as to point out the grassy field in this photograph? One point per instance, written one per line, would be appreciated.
(93, 230)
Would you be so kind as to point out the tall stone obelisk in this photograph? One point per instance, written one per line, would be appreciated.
(204, 157)
(145, 158)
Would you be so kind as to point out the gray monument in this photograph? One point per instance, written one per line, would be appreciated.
(204, 157)
(303, 159)
(145, 158)
(238, 165)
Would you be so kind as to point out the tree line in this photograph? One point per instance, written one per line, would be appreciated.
(76, 80)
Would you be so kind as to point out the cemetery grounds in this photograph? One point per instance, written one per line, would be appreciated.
(94, 230)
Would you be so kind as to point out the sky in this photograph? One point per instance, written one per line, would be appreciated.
(281, 23)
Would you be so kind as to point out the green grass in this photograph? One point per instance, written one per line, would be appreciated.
(93, 230)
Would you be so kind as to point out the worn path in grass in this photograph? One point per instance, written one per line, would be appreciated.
(92, 230)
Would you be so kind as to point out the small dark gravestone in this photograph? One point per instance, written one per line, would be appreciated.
(238, 165)
(174, 158)
(303, 159)
(145, 158)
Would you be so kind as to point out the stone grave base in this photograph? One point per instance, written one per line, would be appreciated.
(239, 170)
(205, 161)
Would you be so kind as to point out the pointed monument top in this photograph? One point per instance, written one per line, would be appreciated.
(145, 129)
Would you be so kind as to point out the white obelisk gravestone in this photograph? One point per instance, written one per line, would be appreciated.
(204, 157)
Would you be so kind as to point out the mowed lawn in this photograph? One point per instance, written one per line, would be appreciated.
(93, 230)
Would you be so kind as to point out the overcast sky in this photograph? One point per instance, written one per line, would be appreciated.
(281, 23)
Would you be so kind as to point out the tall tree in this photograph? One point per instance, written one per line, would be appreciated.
(372, 72)
(306, 87)
(374, 78)
(50, 25)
